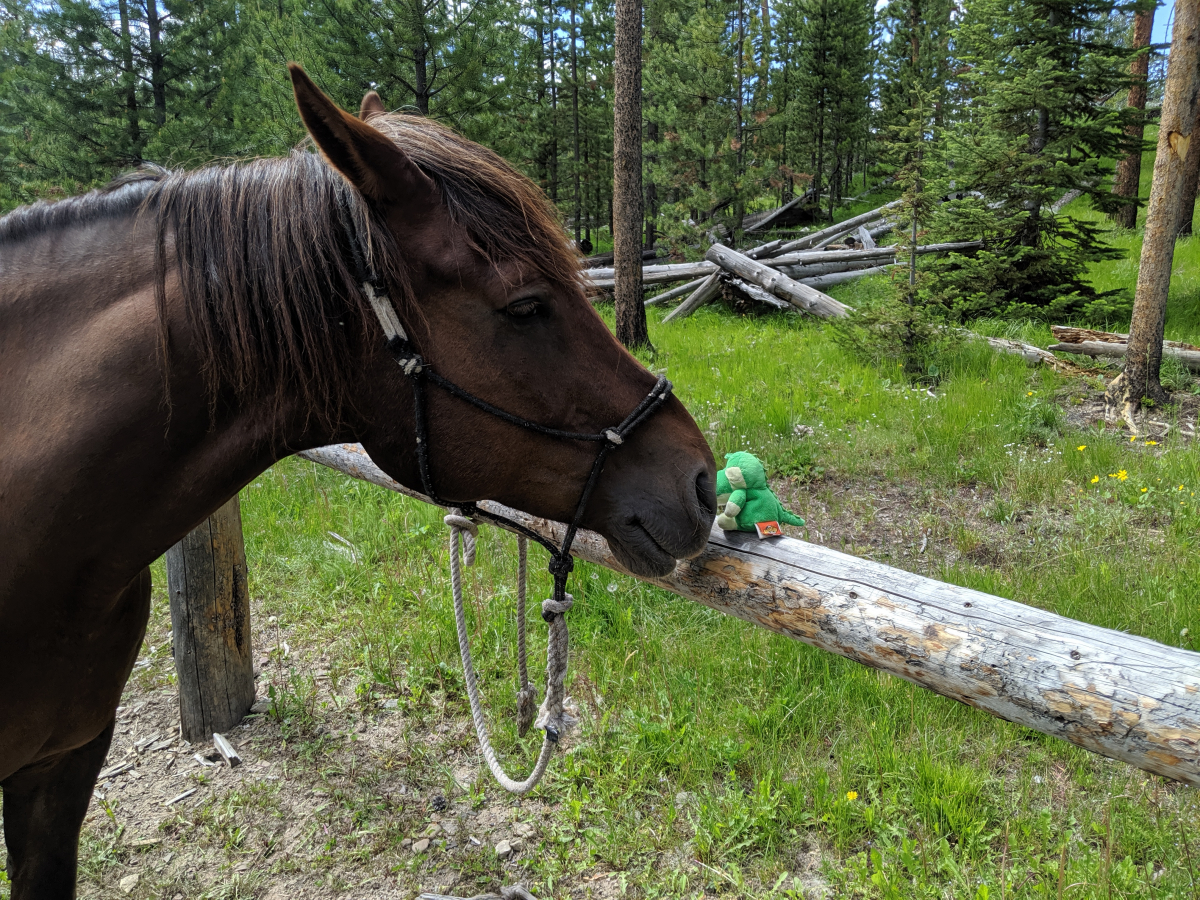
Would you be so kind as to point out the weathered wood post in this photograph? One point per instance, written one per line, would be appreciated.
(210, 621)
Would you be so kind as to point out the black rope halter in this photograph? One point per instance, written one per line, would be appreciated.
(418, 372)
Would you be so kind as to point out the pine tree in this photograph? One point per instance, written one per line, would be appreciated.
(1035, 125)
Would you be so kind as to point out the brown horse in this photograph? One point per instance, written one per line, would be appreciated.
(167, 339)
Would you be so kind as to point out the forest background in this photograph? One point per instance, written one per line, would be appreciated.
(1002, 106)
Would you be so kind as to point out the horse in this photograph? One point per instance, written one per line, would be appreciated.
(166, 339)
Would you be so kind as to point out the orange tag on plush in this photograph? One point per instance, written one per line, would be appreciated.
(768, 529)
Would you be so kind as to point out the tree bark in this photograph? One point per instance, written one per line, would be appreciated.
(627, 175)
(1129, 169)
(1139, 381)
(1191, 177)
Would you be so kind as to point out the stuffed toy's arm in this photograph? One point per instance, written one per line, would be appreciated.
(787, 517)
(727, 520)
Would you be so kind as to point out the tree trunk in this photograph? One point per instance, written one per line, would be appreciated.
(157, 75)
(1139, 381)
(1129, 169)
(1191, 175)
(575, 124)
(627, 175)
(129, 82)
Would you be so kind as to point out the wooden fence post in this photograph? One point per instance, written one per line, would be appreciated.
(210, 622)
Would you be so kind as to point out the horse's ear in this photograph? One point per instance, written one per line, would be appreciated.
(367, 158)
(371, 106)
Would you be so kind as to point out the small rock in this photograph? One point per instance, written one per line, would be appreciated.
(516, 844)
(261, 706)
(128, 883)
(504, 850)
(450, 826)
(523, 830)
(432, 831)
(683, 798)
(391, 704)
(406, 843)
(421, 846)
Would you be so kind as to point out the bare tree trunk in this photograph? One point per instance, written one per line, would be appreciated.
(1191, 176)
(1139, 381)
(627, 175)
(129, 82)
(1129, 169)
(575, 123)
(157, 76)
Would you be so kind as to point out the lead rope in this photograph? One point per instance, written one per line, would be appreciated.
(551, 718)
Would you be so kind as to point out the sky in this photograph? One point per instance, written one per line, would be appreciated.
(1163, 20)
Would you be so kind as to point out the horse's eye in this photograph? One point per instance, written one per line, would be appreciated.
(523, 308)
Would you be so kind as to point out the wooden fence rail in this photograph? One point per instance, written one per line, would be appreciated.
(1116, 694)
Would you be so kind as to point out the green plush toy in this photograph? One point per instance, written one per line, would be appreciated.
(745, 498)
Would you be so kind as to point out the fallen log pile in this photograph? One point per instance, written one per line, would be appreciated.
(783, 274)
(1085, 342)
(1115, 694)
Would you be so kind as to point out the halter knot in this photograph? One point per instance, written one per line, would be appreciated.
(613, 438)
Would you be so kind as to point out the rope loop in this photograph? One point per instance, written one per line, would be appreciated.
(551, 717)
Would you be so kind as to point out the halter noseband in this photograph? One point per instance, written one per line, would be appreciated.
(418, 371)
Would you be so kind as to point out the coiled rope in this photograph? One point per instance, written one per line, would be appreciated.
(550, 718)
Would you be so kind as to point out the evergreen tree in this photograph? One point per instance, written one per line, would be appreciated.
(1035, 126)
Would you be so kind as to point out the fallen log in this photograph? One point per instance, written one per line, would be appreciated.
(841, 277)
(1190, 358)
(708, 290)
(754, 292)
(1070, 335)
(665, 274)
(799, 295)
(674, 292)
(808, 257)
(1116, 694)
(813, 271)
(833, 232)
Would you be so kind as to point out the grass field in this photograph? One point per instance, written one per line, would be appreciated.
(712, 758)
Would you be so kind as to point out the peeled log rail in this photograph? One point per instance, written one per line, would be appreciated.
(1119, 695)
(799, 295)
(1190, 358)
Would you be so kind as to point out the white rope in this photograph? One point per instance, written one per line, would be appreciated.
(551, 717)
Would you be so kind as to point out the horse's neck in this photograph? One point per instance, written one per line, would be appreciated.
(95, 460)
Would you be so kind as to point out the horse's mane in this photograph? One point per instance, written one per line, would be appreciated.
(262, 251)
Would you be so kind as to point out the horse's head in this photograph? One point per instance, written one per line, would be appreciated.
(487, 287)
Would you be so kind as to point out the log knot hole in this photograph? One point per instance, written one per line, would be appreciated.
(1075, 654)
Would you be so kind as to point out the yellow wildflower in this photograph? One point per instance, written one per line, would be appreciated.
(1122, 475)
(851, 795)
(1151, 443)
(1145, 489)
(1081, 447)
(1095, 478)
(1132, 438)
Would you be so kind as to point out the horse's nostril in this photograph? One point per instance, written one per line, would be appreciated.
(704, 493)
